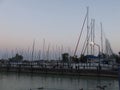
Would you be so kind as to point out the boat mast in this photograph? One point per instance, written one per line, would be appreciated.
(87, 30)
(93, 35)
(33, 49)
(101, 38)
(48, 52)
(43, 53)
(39, 55)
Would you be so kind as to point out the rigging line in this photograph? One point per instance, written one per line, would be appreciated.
(110, 49)
(80, 34)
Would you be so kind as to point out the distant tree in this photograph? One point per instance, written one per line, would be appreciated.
(17, 57)
(65, 57)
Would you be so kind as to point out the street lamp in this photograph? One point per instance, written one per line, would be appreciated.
(92, 43)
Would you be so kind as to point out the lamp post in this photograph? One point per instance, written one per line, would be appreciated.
(92, 43)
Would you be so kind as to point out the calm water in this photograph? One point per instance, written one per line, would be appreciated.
(13, 81)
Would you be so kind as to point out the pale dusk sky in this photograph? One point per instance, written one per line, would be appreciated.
(57, 21)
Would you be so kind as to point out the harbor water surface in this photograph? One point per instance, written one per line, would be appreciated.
(15, 81)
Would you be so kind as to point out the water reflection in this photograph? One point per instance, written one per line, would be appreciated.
(13, 81)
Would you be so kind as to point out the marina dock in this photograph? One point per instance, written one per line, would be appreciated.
(61, 69)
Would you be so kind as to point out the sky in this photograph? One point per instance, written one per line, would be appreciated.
(58, 22)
